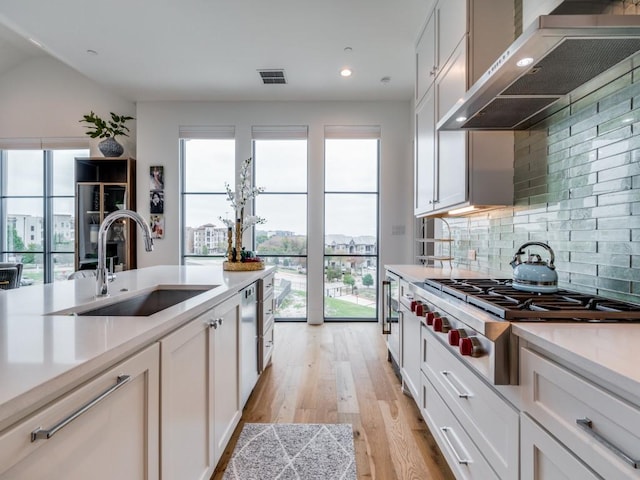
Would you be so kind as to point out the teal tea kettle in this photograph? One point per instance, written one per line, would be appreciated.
(534, 275)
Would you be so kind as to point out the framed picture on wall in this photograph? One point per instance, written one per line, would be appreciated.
(157, 226)
(156, 201)
(156, 178)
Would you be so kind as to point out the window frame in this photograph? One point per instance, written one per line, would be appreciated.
(353, 133)
(47, 197)
(275, 134)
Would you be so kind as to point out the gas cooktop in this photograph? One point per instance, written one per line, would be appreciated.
(498, 297)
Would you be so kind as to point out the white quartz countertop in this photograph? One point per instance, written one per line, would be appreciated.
(608, 351)
(417, 273)
(44, 353)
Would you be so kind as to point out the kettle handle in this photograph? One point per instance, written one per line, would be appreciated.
(516, 258)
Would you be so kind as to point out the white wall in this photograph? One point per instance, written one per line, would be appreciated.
(43, 98)
(158, 144)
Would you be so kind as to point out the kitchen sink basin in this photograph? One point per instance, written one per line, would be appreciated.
(147, 303)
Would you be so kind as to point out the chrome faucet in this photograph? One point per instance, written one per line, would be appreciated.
(102, 285)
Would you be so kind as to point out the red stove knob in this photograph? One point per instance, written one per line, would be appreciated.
(470, 346)
(430, 317)
(455, 335)
(441, 324)
(413, 305)
(419, 309)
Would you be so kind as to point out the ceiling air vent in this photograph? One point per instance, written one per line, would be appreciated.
(272, 76)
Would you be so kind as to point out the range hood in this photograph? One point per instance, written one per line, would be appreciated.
(555, 56)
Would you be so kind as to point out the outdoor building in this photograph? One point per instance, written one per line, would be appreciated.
(209, 239)
(344, 244)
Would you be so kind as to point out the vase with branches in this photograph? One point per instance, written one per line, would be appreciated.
(239, 200)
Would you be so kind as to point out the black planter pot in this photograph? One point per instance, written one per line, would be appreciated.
(110, 148)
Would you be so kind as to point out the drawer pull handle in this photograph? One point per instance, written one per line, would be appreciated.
(445, 436)
(587, 425)
(460, 394)
(41, 434)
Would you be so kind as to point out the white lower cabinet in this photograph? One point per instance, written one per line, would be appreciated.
(106, 429)
(490, 422)
(410, 336)
(266, 319)
(456, 445)
(187, 402)
(595, 425)
(544, 458)
(227, 408)
(200, 397)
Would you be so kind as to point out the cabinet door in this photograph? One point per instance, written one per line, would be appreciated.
(543, 458)
(425, 155)
(187, 402)
(116, 437)
(411, 351)
(226, 373)
(452, 171)
(452, 27)
(426, 58)
(266, 331)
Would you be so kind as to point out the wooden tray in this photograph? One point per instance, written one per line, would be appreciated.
(242, 266)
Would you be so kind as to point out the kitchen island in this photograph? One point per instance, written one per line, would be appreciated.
(48, 352)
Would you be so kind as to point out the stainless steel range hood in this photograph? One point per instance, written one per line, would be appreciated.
(566, 52)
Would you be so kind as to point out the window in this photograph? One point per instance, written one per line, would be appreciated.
(206, 165)
(38, 209)
(280, 167)
(351, 223)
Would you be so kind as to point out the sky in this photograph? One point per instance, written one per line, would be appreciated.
(281, 166)
(25, 173)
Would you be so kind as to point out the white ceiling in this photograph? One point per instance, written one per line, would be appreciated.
(212, 49)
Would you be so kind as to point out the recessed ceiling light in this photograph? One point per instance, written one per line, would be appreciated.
(461, 119)
(346, 72)
(523, 62)
(348, 49)
(385, 80)
(92, 52)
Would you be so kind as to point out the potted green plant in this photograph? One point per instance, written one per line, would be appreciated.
(109, 130)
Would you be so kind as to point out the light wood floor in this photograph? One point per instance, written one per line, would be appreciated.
(338, 373)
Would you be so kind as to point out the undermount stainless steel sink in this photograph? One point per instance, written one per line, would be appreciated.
(144, 304)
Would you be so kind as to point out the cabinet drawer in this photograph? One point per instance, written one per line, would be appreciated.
(595, 425)
(462, 455)
(266, 316)
(488, 419)
(266, 348)
(267, 285)
(543, 458)
(107, 428)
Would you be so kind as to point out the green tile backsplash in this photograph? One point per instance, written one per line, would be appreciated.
(577, 188)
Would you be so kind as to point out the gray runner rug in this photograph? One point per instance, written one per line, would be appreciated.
(288, 451)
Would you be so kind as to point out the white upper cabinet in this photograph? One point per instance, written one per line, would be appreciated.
(458, 169)
(452, 27)
(426, 58)
(425, 154)
(445, 28)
